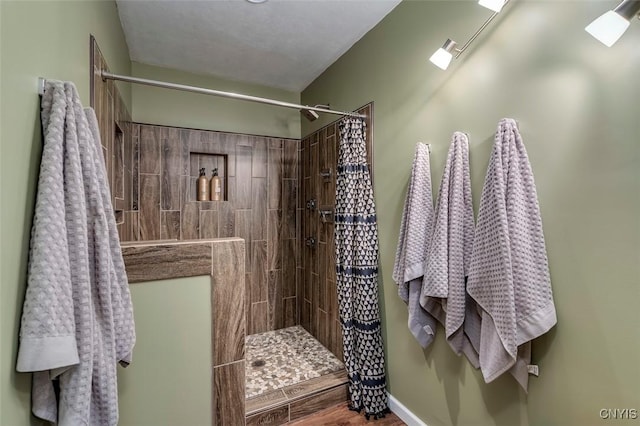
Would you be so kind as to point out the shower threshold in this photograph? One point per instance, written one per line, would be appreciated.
(289, 375)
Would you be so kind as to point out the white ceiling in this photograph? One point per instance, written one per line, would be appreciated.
(280, 43)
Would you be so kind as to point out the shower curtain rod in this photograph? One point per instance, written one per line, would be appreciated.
(166, 85)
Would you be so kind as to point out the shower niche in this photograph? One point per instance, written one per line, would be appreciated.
(208, 162)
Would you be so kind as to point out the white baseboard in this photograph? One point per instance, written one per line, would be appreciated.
(403, 412)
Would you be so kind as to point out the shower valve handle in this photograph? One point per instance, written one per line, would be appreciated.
(310, 242)
(311, 204)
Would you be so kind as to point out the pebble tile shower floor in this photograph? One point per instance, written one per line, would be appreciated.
(285, 357)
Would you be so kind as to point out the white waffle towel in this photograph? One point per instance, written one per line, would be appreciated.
(509, 273)
(77, 319)
(443, 287)
(415, 232)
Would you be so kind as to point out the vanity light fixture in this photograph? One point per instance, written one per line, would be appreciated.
(495, 5)
(443, 56)
(609, 27)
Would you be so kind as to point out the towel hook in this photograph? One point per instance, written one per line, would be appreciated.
(41, 85)
(427, 144)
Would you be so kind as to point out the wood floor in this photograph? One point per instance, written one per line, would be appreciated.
(340, 415)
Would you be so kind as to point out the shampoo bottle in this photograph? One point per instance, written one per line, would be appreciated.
(203, 186)
(216, 187)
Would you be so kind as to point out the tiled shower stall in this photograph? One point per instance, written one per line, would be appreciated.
(274, 191)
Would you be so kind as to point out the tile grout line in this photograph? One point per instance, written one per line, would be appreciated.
(266, 407)
(213, 313)
(228, 363)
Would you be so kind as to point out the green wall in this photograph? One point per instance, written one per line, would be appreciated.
(577, 103)
(153, 105)
(165, 384)
(48, 39)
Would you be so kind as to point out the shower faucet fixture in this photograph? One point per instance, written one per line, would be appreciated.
(312, 115)
(326, 215)
(326, 174)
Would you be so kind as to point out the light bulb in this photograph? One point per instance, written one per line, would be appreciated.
(608, 28)
(495, 5)
(441, 58)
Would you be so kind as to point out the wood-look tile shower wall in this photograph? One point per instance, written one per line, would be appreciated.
(260, 176)
(114, 122)
(317, 292)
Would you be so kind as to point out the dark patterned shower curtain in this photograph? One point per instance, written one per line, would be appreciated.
(356, 241)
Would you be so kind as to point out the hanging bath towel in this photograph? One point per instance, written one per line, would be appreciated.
(413, 245)
(77, 319)
(443, 287)
(356, 240)
(509, 273)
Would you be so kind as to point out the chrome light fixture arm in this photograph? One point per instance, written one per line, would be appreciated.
(464, 47)
(442, 57)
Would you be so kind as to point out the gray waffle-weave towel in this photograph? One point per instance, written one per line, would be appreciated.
(413, 243)
(77, 319)
(509, 274)
(443, 286)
